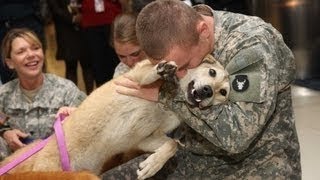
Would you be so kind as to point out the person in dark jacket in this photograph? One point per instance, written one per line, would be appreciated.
(71, 46)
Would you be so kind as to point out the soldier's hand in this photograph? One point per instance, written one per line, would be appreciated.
(65, 110)
(12, 138)
(128, 87)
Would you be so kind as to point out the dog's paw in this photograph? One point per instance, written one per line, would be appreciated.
(150, 166)
(167, 70)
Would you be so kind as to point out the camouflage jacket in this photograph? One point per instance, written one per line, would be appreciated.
(37, 118)
(120, 69)
(257, 123)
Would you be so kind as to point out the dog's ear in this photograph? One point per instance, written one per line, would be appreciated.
(209, 59)
(213, 61)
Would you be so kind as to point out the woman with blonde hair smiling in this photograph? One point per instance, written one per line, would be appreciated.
(28, 104)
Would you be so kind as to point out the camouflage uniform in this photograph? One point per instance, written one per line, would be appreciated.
(36, 118)
(253, 135)
(120, 69)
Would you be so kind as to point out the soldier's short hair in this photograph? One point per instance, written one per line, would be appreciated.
(166, 23)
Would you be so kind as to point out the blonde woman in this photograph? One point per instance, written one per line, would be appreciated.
(125, 43)
(33, 99)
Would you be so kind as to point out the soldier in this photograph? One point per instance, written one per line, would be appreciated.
(28, 104)
(125, 43)
(253, 135)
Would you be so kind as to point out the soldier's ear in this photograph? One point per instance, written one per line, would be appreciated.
(203, 30)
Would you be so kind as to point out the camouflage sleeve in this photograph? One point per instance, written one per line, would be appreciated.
(74, 96)
(120, 69)
(3, 125)
(64, 91)
(234, 125)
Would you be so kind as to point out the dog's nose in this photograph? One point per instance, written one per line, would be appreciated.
(207, 91)
(204, 92)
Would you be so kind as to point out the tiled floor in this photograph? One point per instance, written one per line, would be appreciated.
(306, 106)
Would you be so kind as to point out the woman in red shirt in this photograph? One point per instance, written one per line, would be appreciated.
(97, 17)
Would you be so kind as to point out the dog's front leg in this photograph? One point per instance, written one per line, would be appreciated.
(163, 147)
(164, 69)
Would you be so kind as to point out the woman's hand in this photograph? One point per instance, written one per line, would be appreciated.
(12, 138)
(126, 86)
(65, 110)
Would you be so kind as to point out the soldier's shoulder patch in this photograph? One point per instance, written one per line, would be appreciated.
(246, 87)
(240, 83)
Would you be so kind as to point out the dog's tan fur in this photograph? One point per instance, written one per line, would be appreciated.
(57, 175)
(108, 124)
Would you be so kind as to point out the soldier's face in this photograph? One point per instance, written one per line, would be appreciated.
(185, 58)
(26, 58)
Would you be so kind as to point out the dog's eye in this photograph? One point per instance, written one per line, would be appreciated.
(212, 72)
(223, 92)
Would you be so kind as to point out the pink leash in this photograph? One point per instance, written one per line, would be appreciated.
(64, 157)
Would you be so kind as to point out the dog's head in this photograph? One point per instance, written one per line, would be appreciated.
(207, 84)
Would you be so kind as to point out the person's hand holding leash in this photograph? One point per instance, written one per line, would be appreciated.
(13, 138)
(65, 110)
(127, 86)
